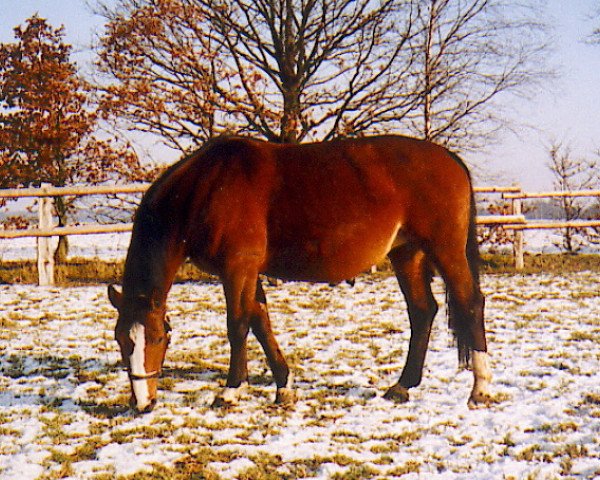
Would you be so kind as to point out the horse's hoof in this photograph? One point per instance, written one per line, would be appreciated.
(228, 397)
(397, 394)
(220, 402)
(480, 399)
(285, 396)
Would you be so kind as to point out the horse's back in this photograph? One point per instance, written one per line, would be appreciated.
(321, 211)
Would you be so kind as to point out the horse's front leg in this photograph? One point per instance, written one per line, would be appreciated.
(261, 326)
(237, 377)
(238, 326)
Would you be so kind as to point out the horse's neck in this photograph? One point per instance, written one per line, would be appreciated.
(152, 261)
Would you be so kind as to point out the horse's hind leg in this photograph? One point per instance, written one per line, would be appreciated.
(466, 305)
(413, 273)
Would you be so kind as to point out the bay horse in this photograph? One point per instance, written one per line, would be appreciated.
(319, 212)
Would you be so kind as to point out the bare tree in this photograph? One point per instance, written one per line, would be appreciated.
(325, 68)
(287, 70)
(469, 55)
(295, 70)
(572, 173)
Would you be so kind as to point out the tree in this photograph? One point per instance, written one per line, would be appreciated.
(468, 55)
(292, 70)
(325, 68)
(286, 70)
(160, 69)
(572, 173)
(47, 119)
(495, 237)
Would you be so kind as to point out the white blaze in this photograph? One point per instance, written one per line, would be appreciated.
(136, 362)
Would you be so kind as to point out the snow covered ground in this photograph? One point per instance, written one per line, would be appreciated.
(63, 394)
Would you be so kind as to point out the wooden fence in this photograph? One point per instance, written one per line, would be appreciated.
(515, 221)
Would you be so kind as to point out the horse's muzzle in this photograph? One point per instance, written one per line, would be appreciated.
(146, 409)
(133, 402)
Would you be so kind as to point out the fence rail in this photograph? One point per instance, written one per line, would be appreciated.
(88, 229)
(514, 220)
(49, 191)
(529, 195)
(543, 225)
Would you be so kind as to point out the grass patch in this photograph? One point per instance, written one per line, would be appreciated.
(581, 336)
(557, 263)
(592, 398)
(193, 466)
(84, 271)
(409, 467)
(108, 409)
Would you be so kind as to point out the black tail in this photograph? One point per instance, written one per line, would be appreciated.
(464, 332)
(460, 321)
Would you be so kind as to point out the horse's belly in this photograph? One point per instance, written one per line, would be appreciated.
(342, 253)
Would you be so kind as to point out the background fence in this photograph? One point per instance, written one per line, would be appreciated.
(513, 219)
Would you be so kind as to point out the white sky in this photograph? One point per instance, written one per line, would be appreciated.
(568, 110)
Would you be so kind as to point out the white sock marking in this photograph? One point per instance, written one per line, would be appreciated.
(481, 372)
(136, 361)
(290, 381)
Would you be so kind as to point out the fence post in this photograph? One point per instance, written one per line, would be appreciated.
(518, 247)
(45, 260)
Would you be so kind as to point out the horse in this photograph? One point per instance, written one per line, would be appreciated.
(317, 212)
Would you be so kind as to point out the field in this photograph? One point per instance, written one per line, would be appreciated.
(63, 394)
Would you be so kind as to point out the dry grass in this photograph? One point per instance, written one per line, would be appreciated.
(83, 271)
(63, 397)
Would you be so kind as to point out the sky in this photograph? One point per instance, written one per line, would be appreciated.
(566, 110)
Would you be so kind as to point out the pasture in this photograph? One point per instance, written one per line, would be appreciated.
(63, 393)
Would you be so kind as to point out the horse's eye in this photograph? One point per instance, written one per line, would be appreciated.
(157, 341)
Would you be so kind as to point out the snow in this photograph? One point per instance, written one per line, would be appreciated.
(63, 394)
(232, 469)
(108, 246)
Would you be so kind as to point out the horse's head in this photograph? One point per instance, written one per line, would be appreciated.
(142, 333)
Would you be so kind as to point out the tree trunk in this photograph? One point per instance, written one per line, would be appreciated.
(290, 119)
(62, 250)
(428, 71)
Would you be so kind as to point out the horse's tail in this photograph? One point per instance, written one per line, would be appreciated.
(459, 320)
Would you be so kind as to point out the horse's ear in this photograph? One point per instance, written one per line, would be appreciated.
(115, 297)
